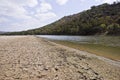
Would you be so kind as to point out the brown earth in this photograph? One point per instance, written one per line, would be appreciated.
(32, 58)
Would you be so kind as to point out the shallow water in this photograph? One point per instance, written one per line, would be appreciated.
(107, 46)
(105, 40)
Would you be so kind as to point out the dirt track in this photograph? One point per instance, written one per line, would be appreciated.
(32, 58)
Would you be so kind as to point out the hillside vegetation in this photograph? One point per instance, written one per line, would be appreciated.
(103, 19)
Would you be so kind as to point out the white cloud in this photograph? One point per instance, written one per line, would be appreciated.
(45, 16)
(28, 24)
(32, 3)
(44, 7)
(2, 20)
(12, 9)
(25, 14)
(61, 2)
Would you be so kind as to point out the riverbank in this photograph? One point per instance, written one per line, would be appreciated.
(32, 58)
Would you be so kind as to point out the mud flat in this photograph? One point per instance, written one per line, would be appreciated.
(32, 58)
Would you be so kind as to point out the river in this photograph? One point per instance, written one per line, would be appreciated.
(107, 46)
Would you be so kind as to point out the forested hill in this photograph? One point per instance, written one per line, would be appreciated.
(102, 19)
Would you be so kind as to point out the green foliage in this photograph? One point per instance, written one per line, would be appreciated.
(114, 29)
(97, 20)
(103, 26)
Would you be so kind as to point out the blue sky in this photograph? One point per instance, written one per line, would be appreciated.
(18, 15)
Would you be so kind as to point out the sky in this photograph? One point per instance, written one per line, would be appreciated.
(19, 15)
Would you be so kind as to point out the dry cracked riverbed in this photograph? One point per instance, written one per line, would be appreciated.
(32, 58)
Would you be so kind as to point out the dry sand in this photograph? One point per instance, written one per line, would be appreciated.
(32, 58)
